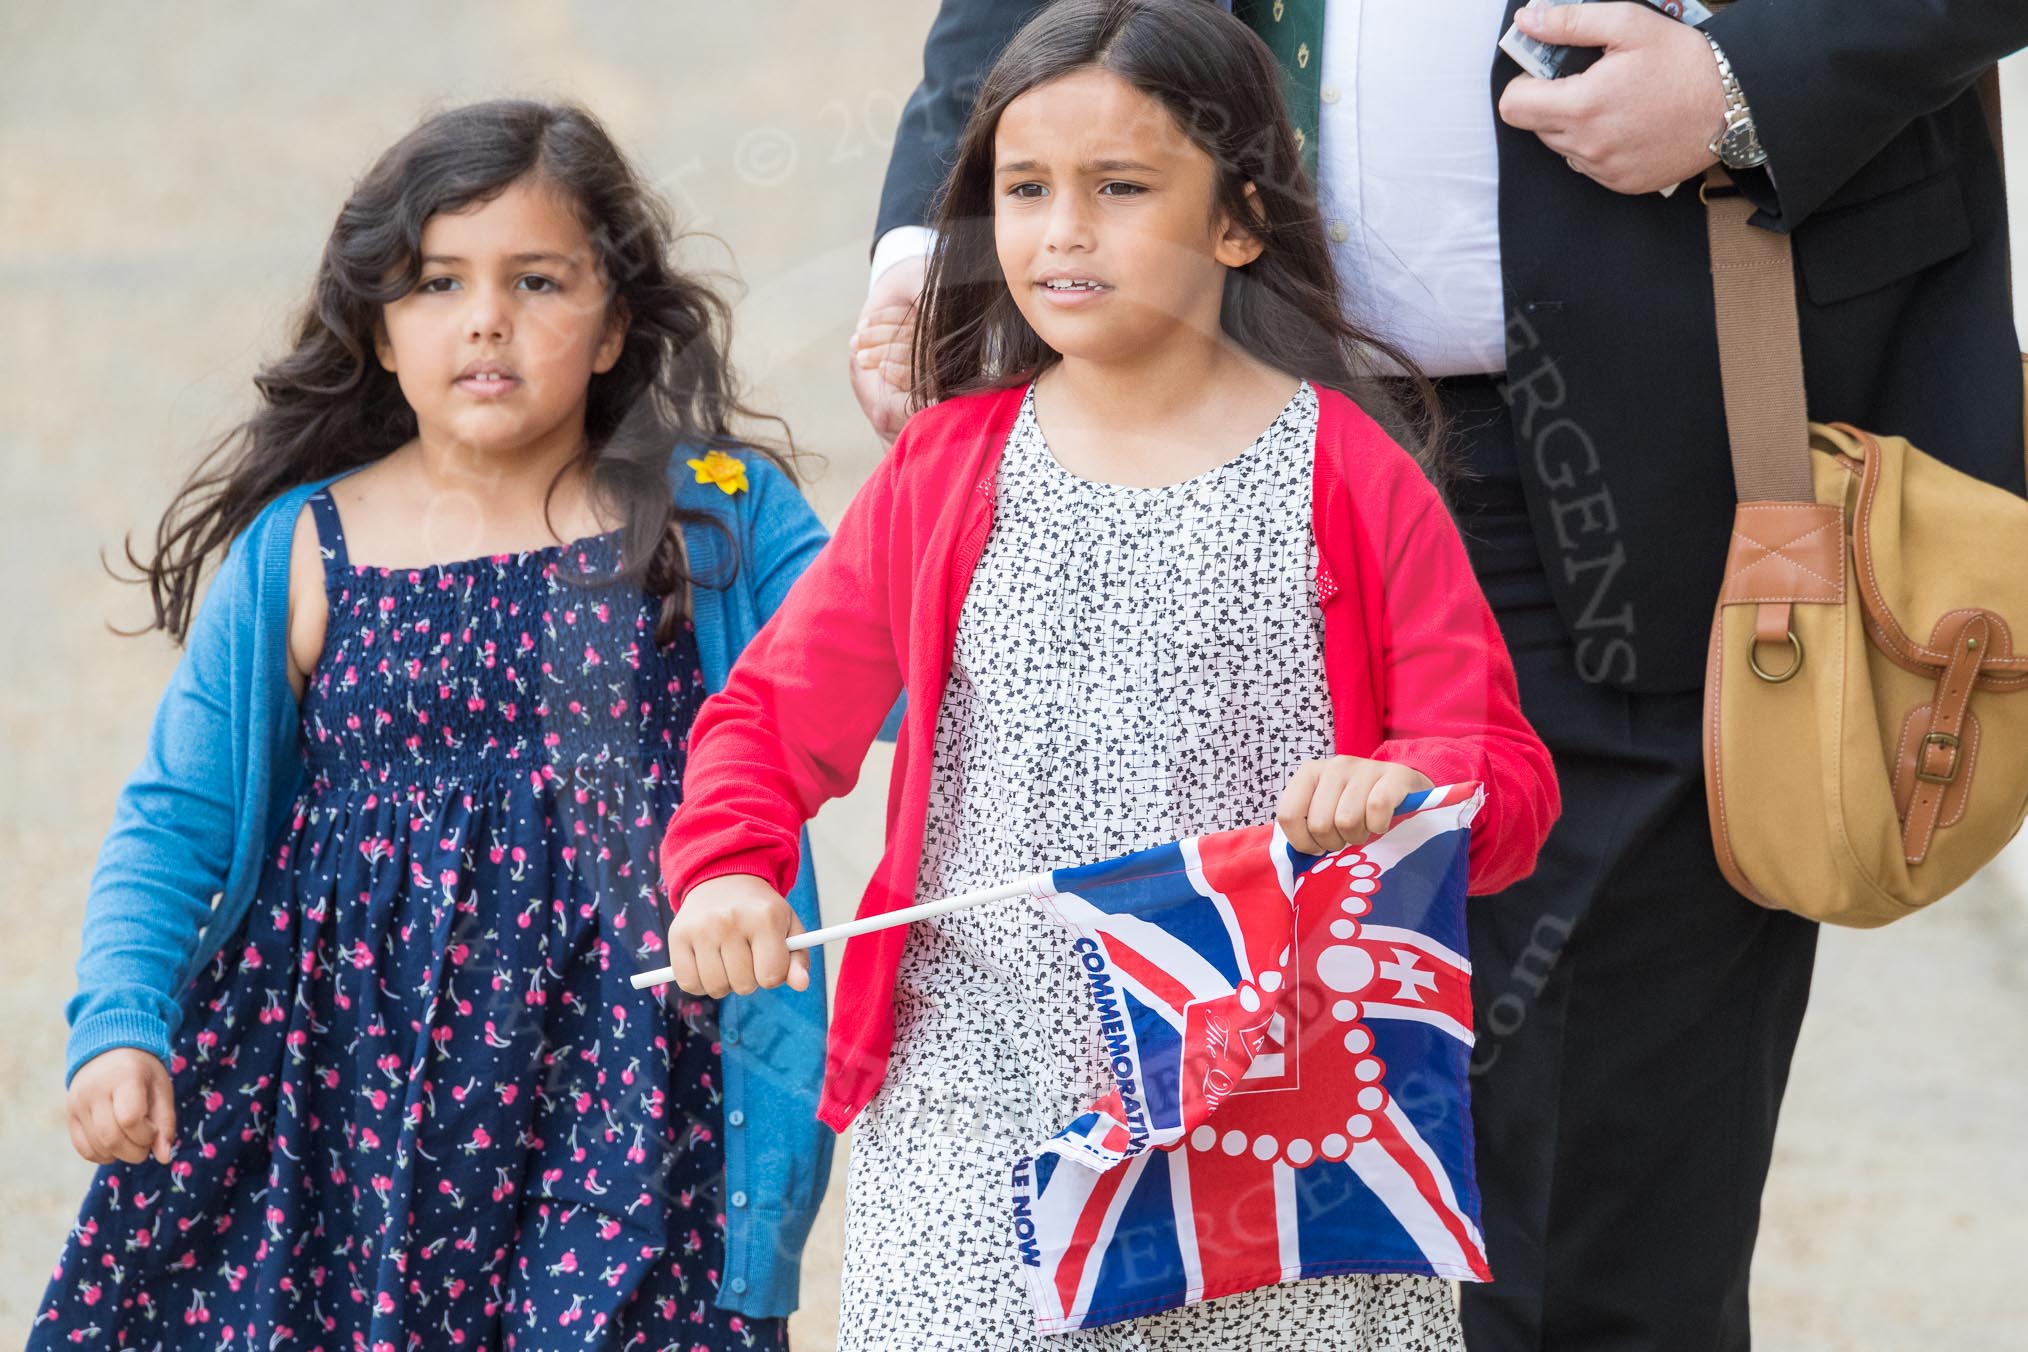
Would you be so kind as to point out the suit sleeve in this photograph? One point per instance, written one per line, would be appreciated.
(1831, 82)
(964, 41)
(1453, 709)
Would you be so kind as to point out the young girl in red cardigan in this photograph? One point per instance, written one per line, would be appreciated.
(1145, 570)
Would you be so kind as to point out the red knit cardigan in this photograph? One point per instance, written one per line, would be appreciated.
(1417, 671)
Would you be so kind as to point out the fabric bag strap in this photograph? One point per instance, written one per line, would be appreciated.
(1760, 353)
(1760, 349)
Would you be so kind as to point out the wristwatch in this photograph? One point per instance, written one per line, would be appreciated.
(1738, 145)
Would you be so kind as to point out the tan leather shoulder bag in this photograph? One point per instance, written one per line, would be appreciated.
(1866, 700)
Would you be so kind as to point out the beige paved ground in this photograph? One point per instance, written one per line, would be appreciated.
(164, 188)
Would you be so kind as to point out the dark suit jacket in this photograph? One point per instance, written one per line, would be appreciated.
(1883, 172)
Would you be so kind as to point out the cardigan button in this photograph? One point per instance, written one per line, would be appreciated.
(735, 1118)
(730, 1037)
(738, 1199)
(737, 1285)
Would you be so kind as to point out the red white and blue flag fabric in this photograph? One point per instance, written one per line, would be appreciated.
(1289, 1037)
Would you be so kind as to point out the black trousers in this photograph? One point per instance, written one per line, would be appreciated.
(1635, 1015)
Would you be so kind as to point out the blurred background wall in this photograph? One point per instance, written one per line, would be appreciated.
(167, 178)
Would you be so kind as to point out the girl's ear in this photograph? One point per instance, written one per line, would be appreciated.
(382, 348)
(1238, 245)
(614, 339)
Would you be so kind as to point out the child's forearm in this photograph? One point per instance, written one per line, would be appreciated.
(1454, 709)
(169, 852)
(1521, 795)
(742, 810)
(791, 729)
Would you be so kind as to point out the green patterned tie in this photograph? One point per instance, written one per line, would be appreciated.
(1294, 32)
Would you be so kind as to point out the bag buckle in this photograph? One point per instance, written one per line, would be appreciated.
(1948, 743)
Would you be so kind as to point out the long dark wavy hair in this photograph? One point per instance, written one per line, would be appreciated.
(1221, 84)
(328, 406)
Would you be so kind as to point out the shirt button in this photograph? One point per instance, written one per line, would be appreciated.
(1329, 93)
(739, 1199)
(735, 1118)
(737, 1285)
(1339, 233)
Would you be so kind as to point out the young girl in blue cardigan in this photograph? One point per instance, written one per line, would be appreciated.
(353, 1036)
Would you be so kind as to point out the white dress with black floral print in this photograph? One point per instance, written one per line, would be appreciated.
(1133, 665)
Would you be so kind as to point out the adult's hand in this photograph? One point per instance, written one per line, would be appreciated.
(881, 345)
(1643, 117)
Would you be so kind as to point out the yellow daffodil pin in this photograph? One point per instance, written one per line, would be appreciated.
(719, 468)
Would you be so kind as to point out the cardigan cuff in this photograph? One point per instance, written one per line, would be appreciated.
(754, 862)
(99, 1033)
(1438, 759)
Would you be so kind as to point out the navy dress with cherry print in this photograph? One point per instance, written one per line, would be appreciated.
(418, 1101)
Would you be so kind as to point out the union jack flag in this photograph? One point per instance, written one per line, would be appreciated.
(1288, 1038)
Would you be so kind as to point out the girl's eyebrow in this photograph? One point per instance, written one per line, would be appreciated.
(1088, 167)
(540, 256)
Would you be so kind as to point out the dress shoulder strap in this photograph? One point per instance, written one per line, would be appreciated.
(330, 531)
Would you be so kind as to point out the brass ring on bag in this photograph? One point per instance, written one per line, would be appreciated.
(1753, 660)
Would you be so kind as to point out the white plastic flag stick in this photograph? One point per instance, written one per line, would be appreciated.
(1034, 885)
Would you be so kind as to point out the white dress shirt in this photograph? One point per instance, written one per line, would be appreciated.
(1409, 177)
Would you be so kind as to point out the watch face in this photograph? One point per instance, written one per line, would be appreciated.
(1739, 146)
